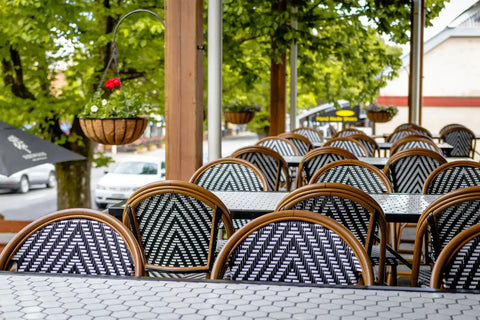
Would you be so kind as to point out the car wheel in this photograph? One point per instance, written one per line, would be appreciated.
(24, 185)
(52, 180)
(101, 205)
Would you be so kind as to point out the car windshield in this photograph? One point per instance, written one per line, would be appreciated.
(136, 167)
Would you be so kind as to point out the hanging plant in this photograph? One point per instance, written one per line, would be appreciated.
(379, 113)
(239, 113)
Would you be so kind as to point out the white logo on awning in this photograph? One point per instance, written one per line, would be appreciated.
(18, 143)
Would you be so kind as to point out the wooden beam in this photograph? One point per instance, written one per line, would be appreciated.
(278, 95)
(183, 87)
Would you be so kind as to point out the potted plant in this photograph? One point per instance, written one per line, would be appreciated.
(239, 113)
(380, 113)
(115, 116)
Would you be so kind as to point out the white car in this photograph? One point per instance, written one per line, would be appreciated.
(125, 177)
(21, 181)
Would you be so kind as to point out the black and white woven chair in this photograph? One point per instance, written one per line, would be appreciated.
(302, 143)
(349, 144)
(462, 139)
(316, 159)
(281, 145)
(176, 224)
(294, 246)
(352, 208)
(439, 223)
(451, 125)
(270, 163)
(369, 143)
(354, 173)
(347, 132)
(230, 174)
(414, 141)
(394, 136)
(452, 176)
(311, 134)
(457, 264)
(74, 241)
(419, 129)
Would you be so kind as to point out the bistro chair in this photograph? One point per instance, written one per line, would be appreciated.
(415, 127)
(441, 221)
(414, 141)
(462, 139)
(315, 136)
(349, 144)
(394, 136)
(74, 241)
(452, 176)
(347, 132)
(294, 246)
(316, 159)
(281, 145)
(457, 264)
(230, 174)
(176, 224)
(354, 173)
(351, 207)
(270, 163)
(302, 143)
(448, 126)
(369, 143)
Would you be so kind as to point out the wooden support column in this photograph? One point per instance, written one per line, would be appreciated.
(278, 96)
(183, 87)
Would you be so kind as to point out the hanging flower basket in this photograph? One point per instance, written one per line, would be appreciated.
(379, 116)
(238, 117)
(114, 131)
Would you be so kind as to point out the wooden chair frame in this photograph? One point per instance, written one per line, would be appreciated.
(282, 140)
(295, 136)
(314, 132)
(473, 141)
(411, 138)
(348, 139)
(219, 267)
(347, 132)
(413, 126)
(407, 132)
(364, 139)
(445, 167)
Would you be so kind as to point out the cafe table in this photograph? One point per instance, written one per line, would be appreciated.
(250, 205)
(37, 296)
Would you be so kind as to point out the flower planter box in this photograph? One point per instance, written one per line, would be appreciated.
(238, 117)
(379, 116)
(114, 131)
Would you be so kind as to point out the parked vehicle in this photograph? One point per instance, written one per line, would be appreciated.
(125, 177)
(21, 181)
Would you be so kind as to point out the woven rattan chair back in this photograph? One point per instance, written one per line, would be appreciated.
(462, 139)
(457, 264)
(394, 136)
(302, 143)
(448, 126)
(414, 141)
(294, 246)
(452, 176)
(349, 206)
(176, 224)
(281, 145)
(421, 130)
(349, 144)
(369, 143)
(316, 159)
(354, 173)
(347, 132)
(230, 174)
(74, 241)
(310, 133)
(270, 163)
(407, 170)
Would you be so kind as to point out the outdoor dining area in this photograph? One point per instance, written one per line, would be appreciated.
(295, 226)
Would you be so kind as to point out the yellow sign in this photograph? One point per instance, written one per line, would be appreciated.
(336, 119)
(345, 113)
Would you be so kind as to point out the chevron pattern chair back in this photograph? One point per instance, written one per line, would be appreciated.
(354, 173)
(302, 143)
(414, 141)
(349, 144)
(407, 170)
(347, 132)
(310, 133)
(74, 241)
(230, 174)
(176, 224)
(369, 143)
(419, 129)
(457, 264)
(462, 140)
(316, 159)
(294, 246)
(452, 125)
(281, 145)
(270, 163)
(441, 222)
(351, 207)
(452, 176)
(394, 136)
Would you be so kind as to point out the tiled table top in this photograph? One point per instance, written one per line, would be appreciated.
(68, 297)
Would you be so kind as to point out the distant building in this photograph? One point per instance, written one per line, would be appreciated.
(451, 78)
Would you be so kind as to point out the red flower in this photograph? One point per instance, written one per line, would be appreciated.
(113, 83)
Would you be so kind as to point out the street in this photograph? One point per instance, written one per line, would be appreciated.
(40, 201)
